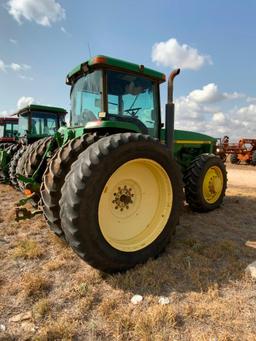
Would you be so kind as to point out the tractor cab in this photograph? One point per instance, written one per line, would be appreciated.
(8, 129)
(111, 94)
(38, 121)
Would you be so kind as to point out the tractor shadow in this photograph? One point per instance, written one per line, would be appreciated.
(208, 250)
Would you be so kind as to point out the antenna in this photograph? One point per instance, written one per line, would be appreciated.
(89, 50)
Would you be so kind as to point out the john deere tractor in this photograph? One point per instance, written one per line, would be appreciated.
(8, 131)
(114, 189)
(37, 125)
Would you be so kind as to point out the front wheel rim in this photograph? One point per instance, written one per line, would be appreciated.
(135, 205)
(213, 184)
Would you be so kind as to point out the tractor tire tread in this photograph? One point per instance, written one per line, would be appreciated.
(13, 166)
(54, 178)
(92, 248)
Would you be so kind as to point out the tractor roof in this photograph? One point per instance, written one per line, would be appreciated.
(109, 62)
(4, 120)
(41, 108)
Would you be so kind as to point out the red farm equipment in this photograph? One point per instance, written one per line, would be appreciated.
(244, 150)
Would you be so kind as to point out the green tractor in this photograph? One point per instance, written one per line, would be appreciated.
(8, 131)
(8, 137)
(37, 125)
(114, 189)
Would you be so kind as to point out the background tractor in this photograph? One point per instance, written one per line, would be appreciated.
(114, 189)
(8, 131)
(37, 125)
(243, 151)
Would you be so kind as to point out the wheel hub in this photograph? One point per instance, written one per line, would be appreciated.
(123, 198)
(211, 186)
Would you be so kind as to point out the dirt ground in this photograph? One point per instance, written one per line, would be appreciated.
(246, 179)
(48, 293)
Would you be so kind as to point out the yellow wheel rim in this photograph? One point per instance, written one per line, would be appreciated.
(135, 205)
(212, 184)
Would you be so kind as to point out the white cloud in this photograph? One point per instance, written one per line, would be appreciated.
(26, 77)
(172, 54)
(43, 12)
(248, 111)
(218, 117)
(63, 30)
(210, 94)
(3, 113)
(21, 103)
(2, 65)
(251, 99)
(201, 111)
(13, 41)
(24, 101)
(19, 67)
(15, 67)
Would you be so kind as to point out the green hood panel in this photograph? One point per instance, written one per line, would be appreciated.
(190, 137)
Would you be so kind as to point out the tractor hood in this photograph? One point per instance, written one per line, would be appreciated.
(190, 137)
(183, 136)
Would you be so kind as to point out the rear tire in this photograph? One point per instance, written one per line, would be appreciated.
(36, 152)
(20, 168)
(13, 166)
(10, 151)
(114, 231)
(54, 178)
(4, 145)
(32, 158)
(205, 183)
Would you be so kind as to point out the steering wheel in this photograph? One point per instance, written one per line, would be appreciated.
(128, 119)
(132, 111)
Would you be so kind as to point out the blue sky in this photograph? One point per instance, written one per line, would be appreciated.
(213, 42)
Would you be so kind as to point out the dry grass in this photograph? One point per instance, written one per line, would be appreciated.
(61, 329)
(27, 249)
(41, 308)
(201, 272)
(34, 284)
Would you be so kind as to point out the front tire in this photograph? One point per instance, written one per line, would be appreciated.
(205, 183)
(121, 201)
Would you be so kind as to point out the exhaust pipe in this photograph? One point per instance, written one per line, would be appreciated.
(169, 112)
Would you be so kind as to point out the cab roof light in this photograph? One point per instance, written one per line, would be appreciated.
(99, 60)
